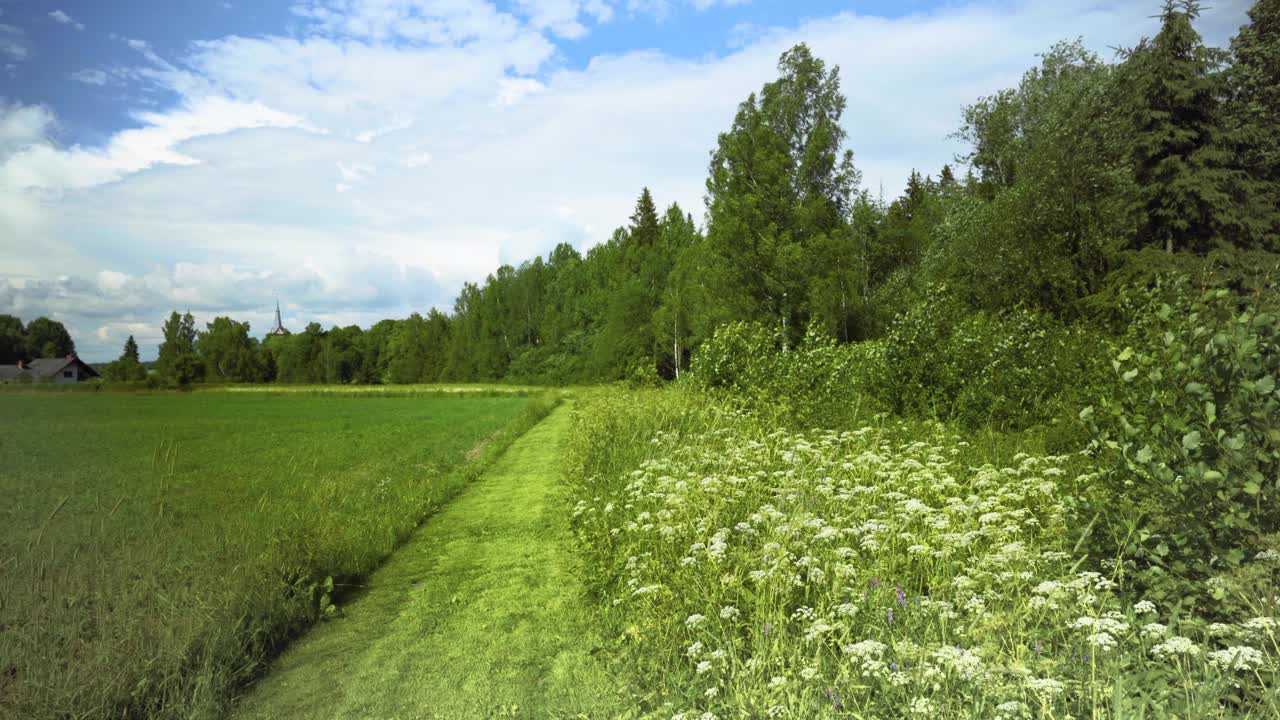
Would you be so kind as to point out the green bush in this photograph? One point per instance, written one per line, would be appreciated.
(1192, 427)
(820, 382)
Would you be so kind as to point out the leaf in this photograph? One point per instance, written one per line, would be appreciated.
(1126, 354)
(1144, 455)
(1086, 413)
(1191, 441)
(1266, 385)
(1210, 412)
(1252, 487)
(1129, 376)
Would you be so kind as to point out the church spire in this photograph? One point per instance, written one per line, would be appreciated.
(279, 328)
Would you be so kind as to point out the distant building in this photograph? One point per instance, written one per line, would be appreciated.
(69, 369)
(279, 328)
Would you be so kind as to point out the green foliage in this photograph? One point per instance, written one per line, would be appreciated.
(1014, 369)
(1182, 170)
(780, 179)
(127, 368)
(818, 382)
(178, 363)
(48, 339)
(13, 341)
(1192, 425)
(227, 352)
(1252, 113)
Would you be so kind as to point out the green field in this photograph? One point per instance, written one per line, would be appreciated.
(155, 548)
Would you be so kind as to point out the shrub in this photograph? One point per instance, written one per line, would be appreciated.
(1192, 427)
(820, 382)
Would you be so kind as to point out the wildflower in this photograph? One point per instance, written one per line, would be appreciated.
(1143, 607)
(889, 617)
(1175, 646)
(729, 612)
(902, 597)
(1236, 658)
(695, 649)
(1154, 631)
(1220, 630)
(1103, 640)
(777, 681)
(809, 673)
(712, 692)
(1045, 687)
(695, 620)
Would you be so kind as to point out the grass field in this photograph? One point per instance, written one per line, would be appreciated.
(155, 548)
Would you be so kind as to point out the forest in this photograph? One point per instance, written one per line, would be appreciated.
(1085, 182)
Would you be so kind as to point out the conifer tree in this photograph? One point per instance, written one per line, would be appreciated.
(130, 350)
(1181, 171)
(1253, 117)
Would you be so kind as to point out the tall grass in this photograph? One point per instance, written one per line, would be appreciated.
(180, 541)
(881, 572)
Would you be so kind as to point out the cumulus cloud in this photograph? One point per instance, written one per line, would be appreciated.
(61, 17)
(369, 164)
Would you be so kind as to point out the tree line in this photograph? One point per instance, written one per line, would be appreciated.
(40, 338)
(1172, 145)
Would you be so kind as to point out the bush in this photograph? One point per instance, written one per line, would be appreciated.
(819, 382)
(1192, 428)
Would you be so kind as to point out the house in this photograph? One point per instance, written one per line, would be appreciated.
(69, 369)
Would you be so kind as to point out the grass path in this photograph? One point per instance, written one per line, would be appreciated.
(478, 616)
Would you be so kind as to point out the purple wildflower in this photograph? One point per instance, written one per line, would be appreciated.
(889, 616)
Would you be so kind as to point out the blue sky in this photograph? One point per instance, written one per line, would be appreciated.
(364, 158)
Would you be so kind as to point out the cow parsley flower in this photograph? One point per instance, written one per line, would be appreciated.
(1174, 647)
(1236, 658)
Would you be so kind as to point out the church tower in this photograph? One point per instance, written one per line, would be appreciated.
(279, 328)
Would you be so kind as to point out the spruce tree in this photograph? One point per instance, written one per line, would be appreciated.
(130, 350)
(1253, 119)
(1181, 172)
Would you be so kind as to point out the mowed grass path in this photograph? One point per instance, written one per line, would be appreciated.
(478, 616)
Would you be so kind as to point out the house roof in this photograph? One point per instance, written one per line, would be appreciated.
(45, 367)
(10, 372)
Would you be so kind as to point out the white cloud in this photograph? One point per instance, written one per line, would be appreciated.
(91, 77)
(65, 19)
(295, 165)
(13, 43)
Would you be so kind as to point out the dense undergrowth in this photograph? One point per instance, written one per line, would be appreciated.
(156, 586)
(896, 569)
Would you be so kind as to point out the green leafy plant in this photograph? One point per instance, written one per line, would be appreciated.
(1192, 425)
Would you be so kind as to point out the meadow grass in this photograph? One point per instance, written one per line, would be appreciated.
(888, 571)
(478, 615)
(156, 549)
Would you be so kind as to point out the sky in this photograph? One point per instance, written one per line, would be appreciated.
(362, 159)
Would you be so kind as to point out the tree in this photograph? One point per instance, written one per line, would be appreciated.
(178, 362)
(1048, 232)
(227, 352)
(130, 350)
(1180, 170)
(48, 338)
(779, 178)
(1253, 118)
(127, 368)
(13, 339)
